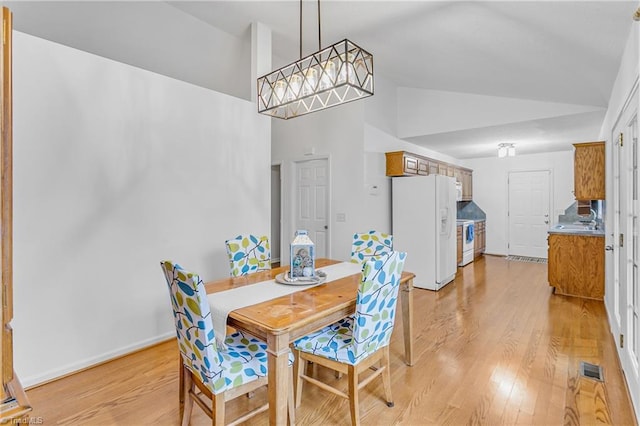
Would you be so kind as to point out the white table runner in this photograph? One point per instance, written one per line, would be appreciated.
(229, 300)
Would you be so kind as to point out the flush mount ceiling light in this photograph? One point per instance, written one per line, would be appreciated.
(506, 150)
(337, 74)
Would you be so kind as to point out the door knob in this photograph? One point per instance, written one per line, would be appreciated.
(609, 248)
(326, 227)
(546, 222)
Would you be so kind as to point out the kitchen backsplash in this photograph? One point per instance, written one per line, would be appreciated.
(571, 213)
(468, 210)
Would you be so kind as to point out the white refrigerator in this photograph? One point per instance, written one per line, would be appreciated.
(424, 226)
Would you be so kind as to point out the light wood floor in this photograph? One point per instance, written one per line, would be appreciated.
(494, 347)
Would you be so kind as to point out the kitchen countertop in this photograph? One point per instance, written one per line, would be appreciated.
(576, 229)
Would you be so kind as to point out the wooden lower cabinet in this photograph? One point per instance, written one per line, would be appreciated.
(576, 265)
(479, 238)
(459, 244)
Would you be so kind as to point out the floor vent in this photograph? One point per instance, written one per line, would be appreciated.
(591, 371)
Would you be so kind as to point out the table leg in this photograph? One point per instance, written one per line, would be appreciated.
(279, 376)
(406, 296)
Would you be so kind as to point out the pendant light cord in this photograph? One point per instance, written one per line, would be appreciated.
(319, 29)
(319, 43)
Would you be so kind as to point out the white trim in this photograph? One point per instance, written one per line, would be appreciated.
(280, 166)
(32, 381)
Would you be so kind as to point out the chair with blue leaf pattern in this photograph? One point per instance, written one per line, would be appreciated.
(370, 244)
(248, 254)
(219, 373)
(354, 344)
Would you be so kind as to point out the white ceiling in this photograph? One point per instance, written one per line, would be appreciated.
(552, 51)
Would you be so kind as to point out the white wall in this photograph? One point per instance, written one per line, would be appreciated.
(335, 133)
(116, 169)
(490, 189)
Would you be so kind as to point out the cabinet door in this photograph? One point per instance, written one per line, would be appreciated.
(434, 167)
(589, 167)
(576, 265)
(423, 166)
(467, 185)
(410, 165)
(457, 173)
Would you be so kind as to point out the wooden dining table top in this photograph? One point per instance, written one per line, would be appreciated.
(296, 310)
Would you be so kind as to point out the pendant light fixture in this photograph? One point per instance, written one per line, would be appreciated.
(337, 74)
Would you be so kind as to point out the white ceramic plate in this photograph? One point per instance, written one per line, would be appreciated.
(283, 278)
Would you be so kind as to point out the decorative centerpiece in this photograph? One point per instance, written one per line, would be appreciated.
(303, 256)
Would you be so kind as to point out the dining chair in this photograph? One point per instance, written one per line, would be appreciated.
(370, 244)
(248, 254)
(354, 344)
(218, 372)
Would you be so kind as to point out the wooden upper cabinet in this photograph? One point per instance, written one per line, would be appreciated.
(410, 165)
(402, 163)
(467, 184)
(433, 167)
(588, 169)
(423, 166)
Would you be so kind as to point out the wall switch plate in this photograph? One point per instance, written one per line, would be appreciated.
(341, 217)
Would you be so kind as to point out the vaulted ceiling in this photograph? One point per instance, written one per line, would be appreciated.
(535, 73)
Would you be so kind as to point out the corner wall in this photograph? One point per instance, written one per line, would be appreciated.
(115, 169)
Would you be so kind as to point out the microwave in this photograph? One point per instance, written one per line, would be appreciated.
(458, 191)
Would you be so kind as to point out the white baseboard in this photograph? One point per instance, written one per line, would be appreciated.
(33, 381)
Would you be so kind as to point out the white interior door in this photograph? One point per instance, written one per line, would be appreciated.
(312, 202)
(626, 245)
(528, 213)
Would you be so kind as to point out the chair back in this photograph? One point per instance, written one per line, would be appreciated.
(376, 303)
(370, 244)
(248, 254)
(194, 328)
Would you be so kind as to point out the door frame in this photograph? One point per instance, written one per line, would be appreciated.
(507, 189)
(289, 182)
(617, 303)
(281, 209)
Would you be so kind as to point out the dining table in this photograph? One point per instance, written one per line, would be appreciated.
(282, 320)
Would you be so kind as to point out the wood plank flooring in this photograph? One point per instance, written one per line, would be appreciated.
(495, 347)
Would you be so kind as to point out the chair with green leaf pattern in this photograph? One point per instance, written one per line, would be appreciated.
(370, 244)
(219, 373)
(357, 343)
(248, 254)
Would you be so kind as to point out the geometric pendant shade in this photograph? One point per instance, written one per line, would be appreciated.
(340, 73)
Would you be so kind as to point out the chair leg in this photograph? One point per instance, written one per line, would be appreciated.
(354, 402)
(386, 376)
(299, 367)
(290, 400)
(217, 402)
(181, 387)
(188, 402)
